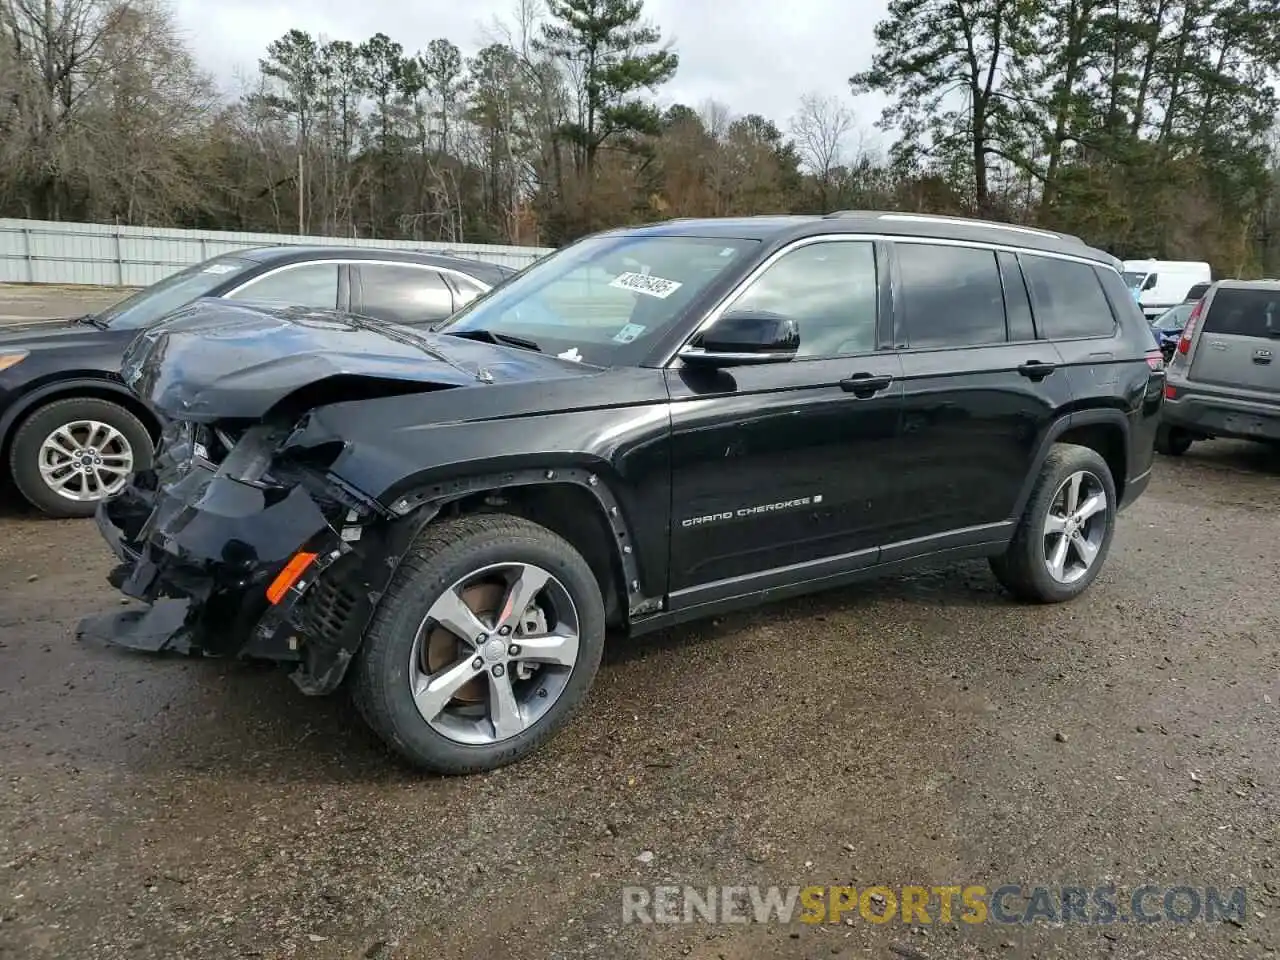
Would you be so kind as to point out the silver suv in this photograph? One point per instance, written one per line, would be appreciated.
(1224, 379)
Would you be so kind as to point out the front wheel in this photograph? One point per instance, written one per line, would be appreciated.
(70, 454)
(483, 646)
(1065, 532)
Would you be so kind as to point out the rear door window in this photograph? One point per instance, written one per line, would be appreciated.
(403, 293)
(951, 296)
(1244, 313)
(1066, 298)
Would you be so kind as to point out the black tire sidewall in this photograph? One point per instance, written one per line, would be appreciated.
(1172, 441)
(382, 689)
(1069, 459)
(24, 453)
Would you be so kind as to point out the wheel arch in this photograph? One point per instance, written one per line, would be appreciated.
(96, 388)
(575, 502)
(1105, 431)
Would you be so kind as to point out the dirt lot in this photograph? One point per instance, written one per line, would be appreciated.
(24, 302)
(921, 730)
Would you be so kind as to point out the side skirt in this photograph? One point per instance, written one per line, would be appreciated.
(743, 593)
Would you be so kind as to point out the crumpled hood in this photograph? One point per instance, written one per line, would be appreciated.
(215, 359)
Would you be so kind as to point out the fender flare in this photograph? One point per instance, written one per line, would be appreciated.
(413, 511)
(27, 402)
(1069, 421)
(435, 496)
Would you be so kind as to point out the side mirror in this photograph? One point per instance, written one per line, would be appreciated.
(745, 337)
(1149, 283)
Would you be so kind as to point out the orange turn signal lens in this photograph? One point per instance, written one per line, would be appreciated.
(287, 577)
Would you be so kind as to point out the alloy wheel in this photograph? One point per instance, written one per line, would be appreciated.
(494, 653)
(86, 460)
(1075, 527)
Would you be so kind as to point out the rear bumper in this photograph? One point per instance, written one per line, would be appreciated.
(1213, 415)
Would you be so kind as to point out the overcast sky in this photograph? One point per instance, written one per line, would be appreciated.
(757, 62)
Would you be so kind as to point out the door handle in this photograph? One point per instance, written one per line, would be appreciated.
(1036, 369)
(865, 384)
(1262, 356)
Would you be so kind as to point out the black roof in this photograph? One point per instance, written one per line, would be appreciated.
(490, 273)
(783, 228)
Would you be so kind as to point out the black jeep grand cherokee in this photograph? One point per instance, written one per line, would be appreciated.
(649, 426)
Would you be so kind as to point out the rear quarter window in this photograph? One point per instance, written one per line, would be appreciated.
(1244, 313)
(1067, 298)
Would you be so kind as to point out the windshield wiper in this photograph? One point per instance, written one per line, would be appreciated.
(501, 339)
(93, 320)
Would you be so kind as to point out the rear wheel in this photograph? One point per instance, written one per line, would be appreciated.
(483, 646)
(1172, 441)
(1065, 532)
(70, 454)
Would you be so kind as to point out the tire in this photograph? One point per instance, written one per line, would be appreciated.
(75, 414)
(1172, 441)
(1024, 568)
(446, 556)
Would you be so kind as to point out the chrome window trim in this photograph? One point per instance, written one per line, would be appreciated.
(724, 302)
(339, 262)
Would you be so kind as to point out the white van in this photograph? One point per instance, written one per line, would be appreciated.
(1161, 284)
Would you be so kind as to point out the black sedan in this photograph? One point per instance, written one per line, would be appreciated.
(72, 433)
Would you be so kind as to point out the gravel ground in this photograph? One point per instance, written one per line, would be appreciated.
(20, 303)
(932, 732)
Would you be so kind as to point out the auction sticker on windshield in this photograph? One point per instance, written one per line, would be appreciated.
(628, 333)
(649, 285)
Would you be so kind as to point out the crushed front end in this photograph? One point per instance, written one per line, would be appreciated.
(242, 545)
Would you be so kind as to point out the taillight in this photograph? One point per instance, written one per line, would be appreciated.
(1184, 343)
(1170, 392)
(1155, 360)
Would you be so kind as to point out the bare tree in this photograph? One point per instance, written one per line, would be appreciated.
(821, 129)
(98, 94)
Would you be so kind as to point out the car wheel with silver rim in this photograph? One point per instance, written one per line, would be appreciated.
(1075, 526)
(483, 646)
(71, 454)
(1065, 531)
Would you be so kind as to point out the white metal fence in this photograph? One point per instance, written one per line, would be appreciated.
(42, 251)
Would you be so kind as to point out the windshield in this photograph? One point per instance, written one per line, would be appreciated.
(604, 300)
(1134, 280)
(1174, 319)
(177, 290)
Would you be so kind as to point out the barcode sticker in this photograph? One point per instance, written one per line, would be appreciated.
(650, 286)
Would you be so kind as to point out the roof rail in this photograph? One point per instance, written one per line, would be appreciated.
(939, 218)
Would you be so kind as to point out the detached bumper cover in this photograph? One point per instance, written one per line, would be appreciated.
(201, 548)
(201, 551)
